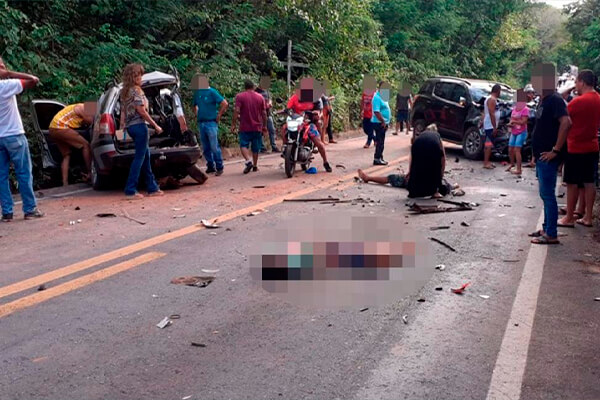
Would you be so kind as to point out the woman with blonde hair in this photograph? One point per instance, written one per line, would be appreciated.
(134, 116)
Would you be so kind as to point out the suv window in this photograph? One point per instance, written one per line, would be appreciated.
(426, 88)
(444, 90)
(458, 92)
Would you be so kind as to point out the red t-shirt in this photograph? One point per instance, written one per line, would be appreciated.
(367, 105)
(298, 107)
(584, 111)
(252, 106)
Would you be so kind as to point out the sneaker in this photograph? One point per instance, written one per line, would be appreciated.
(380, 161)
(219, 172)
(248, 167)
(327, 167)
(254, 169)
(7, 217)
(33, 214)
(210, 170)
(158, 193)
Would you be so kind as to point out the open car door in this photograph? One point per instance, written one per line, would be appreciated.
(43, 111)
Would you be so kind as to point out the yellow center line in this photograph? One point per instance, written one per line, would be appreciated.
(165, 237)
(39, 297)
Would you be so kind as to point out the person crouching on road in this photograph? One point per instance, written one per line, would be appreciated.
(63, 132)
(13, 144)
(134, 116)
(380, 120)
(251, 109)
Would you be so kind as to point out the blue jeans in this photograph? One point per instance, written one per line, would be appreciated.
(141, 161)
(379, 139)
(271, 130)
(547, 173)
(210, 144)
(368, 129)
(15, 149)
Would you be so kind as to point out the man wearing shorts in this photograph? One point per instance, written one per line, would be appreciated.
(251, 109)
(63, 132)
(491, 118)
(581, 164)
(402, 103)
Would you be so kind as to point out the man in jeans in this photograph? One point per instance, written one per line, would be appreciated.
(251, 109)
(209, 106)
(549, 136)
(380, 120)
(263, 90)
(13, 144)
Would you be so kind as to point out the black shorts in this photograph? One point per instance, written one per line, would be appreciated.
(581, 168)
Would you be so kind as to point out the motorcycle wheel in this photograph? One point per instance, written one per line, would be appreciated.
(290, 163)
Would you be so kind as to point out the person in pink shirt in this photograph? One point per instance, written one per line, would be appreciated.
(518, 126)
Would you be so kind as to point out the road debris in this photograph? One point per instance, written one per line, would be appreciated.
(438, 228)
(179, 216)
(196, 344)
(461, 289)
(530, 206)
(597, 299)
(405, 319)
(443, 244)
(126, 215)
(342, 166)
(439, 288)
(503, 195)
(457, 192)
(164, 323)
(364, 309)
(510, 261)
(209, 225)
(176, 209)
(71, 222)
(456, 159)
(186, 397)
(259, 187)
(196, 281)
(465, 224)
(440, 267)
(256, 212)
(41, 287)
(174, 316)
(311, 200)
(421, 300)
(210, 271)
(484, 296)
(106, 215)
(77, 208)
(501, 215)
(432, 209)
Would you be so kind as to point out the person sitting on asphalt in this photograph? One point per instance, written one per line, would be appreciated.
(308, 108)
(426, 172)
(62, 131)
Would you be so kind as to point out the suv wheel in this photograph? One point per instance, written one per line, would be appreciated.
(419, 126)
(472, 144)
(99, 181)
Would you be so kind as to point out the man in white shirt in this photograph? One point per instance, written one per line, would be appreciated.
(13, 144)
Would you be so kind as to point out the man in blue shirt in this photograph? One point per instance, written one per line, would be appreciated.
(209, 106)
(381, 120)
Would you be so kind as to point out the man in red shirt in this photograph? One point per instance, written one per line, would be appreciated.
(251, 109)
(366, 111)
(581, 164)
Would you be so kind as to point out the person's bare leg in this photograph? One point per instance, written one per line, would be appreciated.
(64, 169)
(246, 153)
(580, 209)
(321, 147)
(572, 195)
(368, 178)
(511, 157)
(397, 127)
(255, 159)
(487, 154)
(519, 160)
(590, 197)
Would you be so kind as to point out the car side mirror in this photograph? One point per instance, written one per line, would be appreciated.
(462, 101)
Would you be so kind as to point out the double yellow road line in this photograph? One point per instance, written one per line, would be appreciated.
(39, 297)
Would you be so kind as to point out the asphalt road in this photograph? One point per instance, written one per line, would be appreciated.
(92, 334)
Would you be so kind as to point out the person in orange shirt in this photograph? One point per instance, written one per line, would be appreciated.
(581, 164)
(63, 132)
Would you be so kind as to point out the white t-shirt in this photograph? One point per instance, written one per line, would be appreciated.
(10, 119)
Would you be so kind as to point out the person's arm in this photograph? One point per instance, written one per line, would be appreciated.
(563, 129)
(492, 112)
(236, 113)
(28, 81)
(182, 123)
(362, 106)
(144, 114)
(222, 109)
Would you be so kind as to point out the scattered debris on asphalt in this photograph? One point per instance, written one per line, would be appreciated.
(126, 215)
(209, 225)
(597, 299)
(438, 228)
(456, 159)
(176, 208)
(210, 271)
(484, 296)
(259, 187)
(364, 309)
(510, 261)
(41, 287)
(501, 215)
(179, 216)
(342, 166)
(106, 215)
(587, 254)
(439, 288)
(164, 323)
(311, 200)
(530, 206)
(457, 192)
(405, 319)
(174, 316)
(77, 208)
(461, 289)
(186, 397)
(256, 212)
(440, 267)
(421, 300)
(432, 209)
(487, 258)
(446, 245)
(196, 281)
(503, 195)
(465, 224)
(196, 344)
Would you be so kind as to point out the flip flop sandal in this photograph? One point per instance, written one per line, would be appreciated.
(580, 222)
(536, 234)
(544, 240)
(565, 225)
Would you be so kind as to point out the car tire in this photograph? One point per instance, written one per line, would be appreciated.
(472, 144)
(197, 174)
(99, 181)
(419, 126)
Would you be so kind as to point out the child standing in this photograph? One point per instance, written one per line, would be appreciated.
(518, 124)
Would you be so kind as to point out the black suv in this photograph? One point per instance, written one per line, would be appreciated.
(455, 105)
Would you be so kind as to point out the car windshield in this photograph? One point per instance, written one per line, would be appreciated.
(483, 90)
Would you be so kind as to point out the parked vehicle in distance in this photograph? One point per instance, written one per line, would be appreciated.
(172, 153)
(455, 105)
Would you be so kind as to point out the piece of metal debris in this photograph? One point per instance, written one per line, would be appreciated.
(106, 215)
(259, 187)
(196, 344)
(179, 216)
(465, 224)
(340, 166)
(213, 233)
(438, 228)
(484, 296)
(210, 271)
(443, 244)
(174, 316)
(209, 225)
(164, 323)
(256, 212)
(441, 267)
(364, 309)
(439, 288)
(530, 206)
(196, 281)
(176, 208)
(405, 319)
(421, 300)
(597, 299)
(461, 289)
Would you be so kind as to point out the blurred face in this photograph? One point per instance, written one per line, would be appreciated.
(579, 85)
(138, 77)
